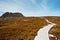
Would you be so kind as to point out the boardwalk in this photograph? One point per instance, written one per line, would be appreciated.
(43, 34)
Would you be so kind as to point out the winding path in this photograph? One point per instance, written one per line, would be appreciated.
(43, 34)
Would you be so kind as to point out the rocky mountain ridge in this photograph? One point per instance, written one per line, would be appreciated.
(10, 14)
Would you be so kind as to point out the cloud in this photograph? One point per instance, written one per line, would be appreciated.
(10, 6)
(35, 3)
(43, 5)
(27, 7)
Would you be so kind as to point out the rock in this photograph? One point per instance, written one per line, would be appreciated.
(10, 14)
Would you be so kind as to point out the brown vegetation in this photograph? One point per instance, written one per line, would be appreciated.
(25, 28)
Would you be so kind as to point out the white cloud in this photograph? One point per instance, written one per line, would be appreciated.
(43, 5)
(20, 6)
(35, 3)
(10, 7)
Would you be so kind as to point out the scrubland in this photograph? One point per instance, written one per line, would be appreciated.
(26, 28)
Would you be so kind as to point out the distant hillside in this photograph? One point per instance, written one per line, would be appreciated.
(10, 14)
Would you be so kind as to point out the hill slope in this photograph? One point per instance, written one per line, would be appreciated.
(26, 28)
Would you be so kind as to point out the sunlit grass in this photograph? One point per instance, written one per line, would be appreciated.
(18, 29)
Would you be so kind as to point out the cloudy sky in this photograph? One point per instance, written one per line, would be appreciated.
(31, 7)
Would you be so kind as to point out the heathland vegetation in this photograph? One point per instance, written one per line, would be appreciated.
(25, 28)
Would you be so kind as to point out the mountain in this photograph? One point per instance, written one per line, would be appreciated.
(10, 14)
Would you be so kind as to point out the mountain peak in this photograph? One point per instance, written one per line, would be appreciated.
(10, 14)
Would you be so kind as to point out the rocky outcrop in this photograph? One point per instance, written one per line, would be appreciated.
(10, 14)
